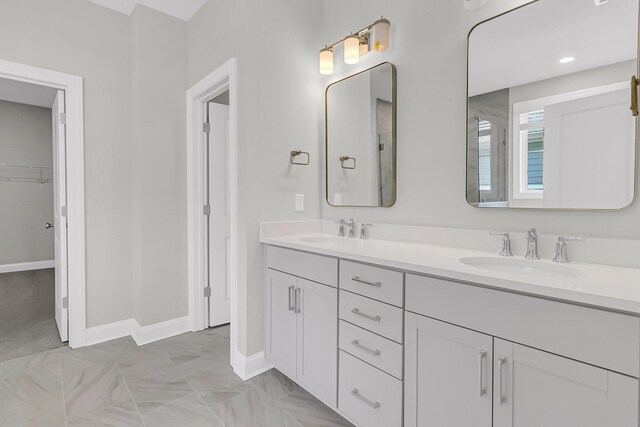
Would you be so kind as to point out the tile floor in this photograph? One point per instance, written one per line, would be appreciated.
(27, 323)
(181, 381)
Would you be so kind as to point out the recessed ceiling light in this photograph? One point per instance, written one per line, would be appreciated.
(567, 59)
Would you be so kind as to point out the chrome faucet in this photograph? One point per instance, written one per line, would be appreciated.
(532, 244)
(561, 247)
(343, 224)
(506, 243)
(363, 230)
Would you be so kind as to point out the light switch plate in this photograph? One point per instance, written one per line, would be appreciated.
(299, 202)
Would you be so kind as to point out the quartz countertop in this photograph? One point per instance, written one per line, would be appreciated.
(607, 287)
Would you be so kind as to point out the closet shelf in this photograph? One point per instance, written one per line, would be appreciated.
(25, 173)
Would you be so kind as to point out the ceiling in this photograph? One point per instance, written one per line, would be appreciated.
(26, 93)
(525, 45)
(182, 9)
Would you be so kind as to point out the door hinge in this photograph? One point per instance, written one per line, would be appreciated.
(207, 292)
(206, 127)
(63, 211)
(381, 147)
(63, 118)
(206, 209)
(65, 302)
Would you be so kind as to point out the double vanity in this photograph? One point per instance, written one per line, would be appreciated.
(392, 333)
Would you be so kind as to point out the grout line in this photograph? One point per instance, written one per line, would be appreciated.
(129, 391)
(64, 400)
(276, 403)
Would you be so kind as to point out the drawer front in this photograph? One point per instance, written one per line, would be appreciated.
(318, 268)
(367, 395)
(598, 337)
(375, 316)
(374, 349)
(373, 282)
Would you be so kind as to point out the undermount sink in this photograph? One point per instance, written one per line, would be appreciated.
(321, 239)
(521, 267)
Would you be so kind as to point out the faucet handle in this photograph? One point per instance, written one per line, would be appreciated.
(363, 230)
(506, 242)
(561, 248)
(563, 239)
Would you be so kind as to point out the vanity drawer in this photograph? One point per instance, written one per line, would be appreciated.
(598, 337)
(367, 395)
(318, 268)
(378, 317)
(373, 349)
(373, 282)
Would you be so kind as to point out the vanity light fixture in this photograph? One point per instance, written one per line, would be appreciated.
(374, 37)
(567, 59)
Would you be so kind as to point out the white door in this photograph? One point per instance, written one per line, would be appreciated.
(448, 379)
(219, 218)
(317, 339)
(59, 216)
(542, 389)
(280, 322)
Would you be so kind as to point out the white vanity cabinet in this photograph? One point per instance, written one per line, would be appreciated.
(301, 321)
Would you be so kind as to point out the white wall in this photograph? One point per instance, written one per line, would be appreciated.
(279, 109)
(25, 139)
(429, 49)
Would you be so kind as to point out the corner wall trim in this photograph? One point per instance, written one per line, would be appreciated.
(247, 367)
(27, 266)
(141, 334)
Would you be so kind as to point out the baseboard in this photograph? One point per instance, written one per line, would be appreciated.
(141, 334)
(159, 331)
(27, 266)
(110, 331)
(247, 367)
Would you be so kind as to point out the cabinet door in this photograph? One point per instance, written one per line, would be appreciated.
(447, 374)
(534, 388)
(280, 322)
(318, 340)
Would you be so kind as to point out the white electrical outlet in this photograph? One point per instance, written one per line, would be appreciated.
(299, 202)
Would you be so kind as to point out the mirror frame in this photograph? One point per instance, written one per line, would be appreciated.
(466, 175)
(394, 107)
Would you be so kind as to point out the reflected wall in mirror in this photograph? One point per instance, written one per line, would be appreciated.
(549, 124)
(361, 138)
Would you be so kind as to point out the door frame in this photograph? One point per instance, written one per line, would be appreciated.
(218, 81)
(76, 267)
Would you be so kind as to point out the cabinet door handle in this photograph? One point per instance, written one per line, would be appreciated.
(481, 357)
(374, 404)
(357, 311)
(501, 397)
(366, 282)
(298, 291)
(291, 290)
(375, 352)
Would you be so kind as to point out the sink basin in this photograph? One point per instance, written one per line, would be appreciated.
(521, 267)
(321, 239)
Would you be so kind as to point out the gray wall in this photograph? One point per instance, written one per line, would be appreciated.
(25, 139)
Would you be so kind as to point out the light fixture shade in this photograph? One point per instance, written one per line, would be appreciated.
(381, 35)
(352, 49)
(326, 61)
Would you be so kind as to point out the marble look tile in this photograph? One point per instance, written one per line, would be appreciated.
(28, 364)
(127, 353)
(223, 331)
(213, 379)
(274, 383)
(124, 414)
(32, 398)
(189, 411)
(155, 384)
(92, 387)
(309, 411)
(189, 346)
(253, 408)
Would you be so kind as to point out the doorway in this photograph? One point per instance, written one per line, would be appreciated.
(33, 243)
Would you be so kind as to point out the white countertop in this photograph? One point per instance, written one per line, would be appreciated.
(614, 288)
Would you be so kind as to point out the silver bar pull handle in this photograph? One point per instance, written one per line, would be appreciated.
(501, 397)
(374, 404)
(481, 357)
(375, 352)
(298, 291)
(357, 311)
(291, 291)
(366, 282)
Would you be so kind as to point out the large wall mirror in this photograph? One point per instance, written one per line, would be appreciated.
(360, 120)
(549, 119)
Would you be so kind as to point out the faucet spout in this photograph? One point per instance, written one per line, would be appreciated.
(532, 244)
